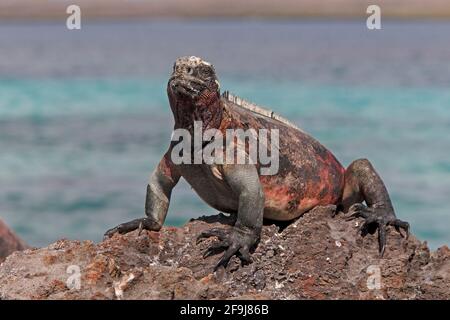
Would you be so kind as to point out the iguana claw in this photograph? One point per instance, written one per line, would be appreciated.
(140, 224)
(235, 242)
(377, 218)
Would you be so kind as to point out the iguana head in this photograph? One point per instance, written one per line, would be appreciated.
(191, 76)
(194, 92)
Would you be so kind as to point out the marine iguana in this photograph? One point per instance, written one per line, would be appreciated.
(309, 175)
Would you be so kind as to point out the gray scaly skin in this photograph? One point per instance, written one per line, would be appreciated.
(309, 174)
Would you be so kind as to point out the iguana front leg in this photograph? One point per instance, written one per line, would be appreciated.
(159, 189)
(245, 185)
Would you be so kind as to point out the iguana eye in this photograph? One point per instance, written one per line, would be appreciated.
(206, 72)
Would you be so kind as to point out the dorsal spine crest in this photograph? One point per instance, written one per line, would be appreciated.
(256, 109)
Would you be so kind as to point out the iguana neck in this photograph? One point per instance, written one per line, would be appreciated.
(207, 108)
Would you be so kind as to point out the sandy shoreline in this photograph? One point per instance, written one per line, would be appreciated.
(56, 9)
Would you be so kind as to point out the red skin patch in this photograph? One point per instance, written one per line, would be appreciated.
(167, 168)
(309, 174)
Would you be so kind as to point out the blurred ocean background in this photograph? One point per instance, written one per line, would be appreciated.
(84, 116)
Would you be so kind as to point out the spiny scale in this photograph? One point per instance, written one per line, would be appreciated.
(256, 109)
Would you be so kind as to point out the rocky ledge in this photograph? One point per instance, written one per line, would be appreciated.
(316, 257)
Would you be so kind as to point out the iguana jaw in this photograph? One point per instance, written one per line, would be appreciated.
(186, 86)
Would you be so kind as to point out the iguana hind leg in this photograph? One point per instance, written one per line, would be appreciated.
(362, 183)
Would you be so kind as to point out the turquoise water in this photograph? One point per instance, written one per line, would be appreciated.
(84, 116)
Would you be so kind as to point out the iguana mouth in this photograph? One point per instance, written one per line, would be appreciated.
(186, 86)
